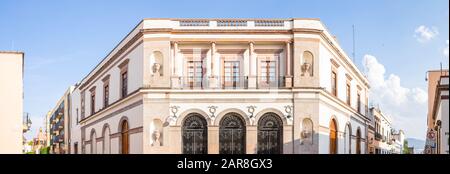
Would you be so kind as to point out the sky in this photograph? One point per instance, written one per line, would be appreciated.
(396, 42)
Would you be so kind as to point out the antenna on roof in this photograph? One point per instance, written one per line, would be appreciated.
(354, 53)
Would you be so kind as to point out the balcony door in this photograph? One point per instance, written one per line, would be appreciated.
(268, 71)
(194, 68)
(231, 74)
(194, 74)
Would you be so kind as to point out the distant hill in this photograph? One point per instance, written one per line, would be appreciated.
(418, 144)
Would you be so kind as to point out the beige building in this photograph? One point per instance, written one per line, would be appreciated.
(58, 124)
(11, 102)
(437, 118)
(223, 86)
(382, 142)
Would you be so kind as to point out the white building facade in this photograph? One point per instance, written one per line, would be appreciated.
(228, 86)
(383, 142)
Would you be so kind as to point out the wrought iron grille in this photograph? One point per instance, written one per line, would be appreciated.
(232, 134)
(195, 135)
(270, 134)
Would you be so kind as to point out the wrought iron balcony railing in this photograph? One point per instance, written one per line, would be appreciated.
(271, 82)
(378, 136)
(192, 82)
(233, 82)
(228, 82)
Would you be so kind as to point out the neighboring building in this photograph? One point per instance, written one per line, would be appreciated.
(382, 125)
(438, 115)
(40, 141)
(59, 125)
(11, 102)
(26, 125)
(48, 127)
(371, 134)
(398, 140)
(223, 86)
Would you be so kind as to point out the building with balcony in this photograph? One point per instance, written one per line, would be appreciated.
(58, 125)
(381, 141)
(229, 86)
(438, 115)
(398, 141)
(11, 102)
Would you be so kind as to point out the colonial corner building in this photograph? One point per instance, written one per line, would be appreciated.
(231, 86)
(11, 102)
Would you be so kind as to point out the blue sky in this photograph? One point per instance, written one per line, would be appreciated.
(64, 40)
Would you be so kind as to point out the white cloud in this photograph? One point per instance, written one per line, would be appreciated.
(446, 50)
(406, 106)
(419, 95)
(424, 33)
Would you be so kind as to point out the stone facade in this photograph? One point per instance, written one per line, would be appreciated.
(223, 86)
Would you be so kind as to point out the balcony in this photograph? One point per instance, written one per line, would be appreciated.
(59, 115)
(378, 136)
(233, 82)
(229, 82)
(55, 139)
(271, 82)
(60, 125)
(389, 142)
(61, 138)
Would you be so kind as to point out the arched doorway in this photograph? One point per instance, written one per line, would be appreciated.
(333, 137)
(195, 134)
(358, 141)
(270, 134)
(232, 134)
(125, 139)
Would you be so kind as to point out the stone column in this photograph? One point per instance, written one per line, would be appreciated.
(288, 78)
(252, 78)
(175, 78)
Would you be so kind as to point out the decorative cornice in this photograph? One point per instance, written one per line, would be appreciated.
(106, 78)
(334, 63)
(349, 77)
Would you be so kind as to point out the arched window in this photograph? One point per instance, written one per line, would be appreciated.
(270, 134)
(307, 64)
(106, 140)
(333, 137)
(232, 134)
(125, 137)
(358, 141)
(195, 134)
